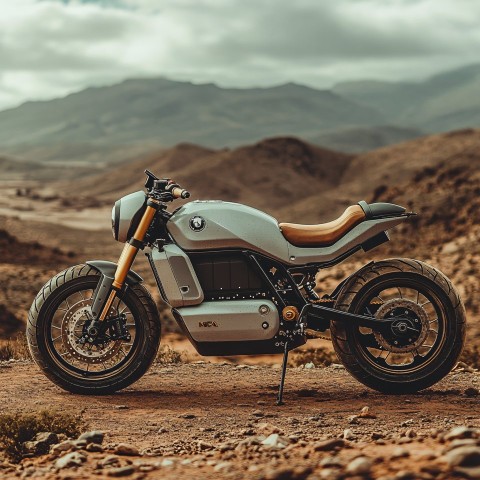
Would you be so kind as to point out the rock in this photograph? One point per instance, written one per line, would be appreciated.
(204, 445)
(353, 419)
(359, 466)
(467, 456)
(122, 407)
(472, 473)
(187, 416)
(94, 447)
(63, 447)
(267, 428)
(410, 433)
(162, 430)
(71, 459)
(275, 441)
(365, 413)
(121, 471)
(471, 392)
(327, 445)
(110, 460)
(331, 462)
(95, 436)
(348, 434)
(258, 413)
(41, 443)
(376, 435)
(328, 474)
(127, 450)
(223, 466)
(462, 432)
(167, 462)
(309, 366)
(399, 452)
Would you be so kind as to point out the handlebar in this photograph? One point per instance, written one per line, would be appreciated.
(179, 192)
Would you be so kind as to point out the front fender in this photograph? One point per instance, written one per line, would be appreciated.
(108, 270)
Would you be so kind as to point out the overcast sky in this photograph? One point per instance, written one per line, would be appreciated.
(49, 48)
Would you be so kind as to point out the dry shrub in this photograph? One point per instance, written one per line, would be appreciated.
(318, 356)
(18, 428)
(166, 354)
(16, 349)
(471, 356)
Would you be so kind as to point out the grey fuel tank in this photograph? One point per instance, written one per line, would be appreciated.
(205, 225)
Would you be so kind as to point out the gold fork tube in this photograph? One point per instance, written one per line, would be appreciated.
(127, 258)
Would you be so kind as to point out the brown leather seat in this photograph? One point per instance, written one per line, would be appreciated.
(325, 233)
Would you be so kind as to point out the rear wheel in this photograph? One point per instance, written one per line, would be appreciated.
(419, 349)
(56, 324)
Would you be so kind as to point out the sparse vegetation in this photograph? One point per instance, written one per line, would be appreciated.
(16, 349)
(18, 428)
(320, 357)
(166, 354)
(471, 356)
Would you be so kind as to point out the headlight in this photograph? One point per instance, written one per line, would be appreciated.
(126, 214)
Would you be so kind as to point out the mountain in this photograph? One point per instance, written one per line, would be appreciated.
(163, 113)
(446, 101)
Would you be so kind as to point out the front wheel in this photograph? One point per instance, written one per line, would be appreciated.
(56, 324)
(418, 350)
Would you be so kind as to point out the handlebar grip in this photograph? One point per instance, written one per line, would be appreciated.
(178, 192)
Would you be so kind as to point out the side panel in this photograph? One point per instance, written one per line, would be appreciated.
(179, 283)
(234, 320)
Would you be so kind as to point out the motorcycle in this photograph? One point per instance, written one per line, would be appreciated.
(240, 283)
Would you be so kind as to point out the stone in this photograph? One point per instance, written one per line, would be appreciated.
(204, 445)
(268, 428)
(122, 407)
(95, 436)
(399, 452)
(121, 471)
(365, 413)
(359, 466)
(471, 392)
(71, 459)
(327, 445)
(467, 456)
(63, 447)
(309, 366)
(472, 473)
(275, 441)
(127, 450)
(187, 416)
(41, 443)
(94, 447)
(348, 434)
(462, 432)
(110, 460)
(258, 413)
(223, 466)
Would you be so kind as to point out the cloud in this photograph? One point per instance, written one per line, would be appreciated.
(51, 47)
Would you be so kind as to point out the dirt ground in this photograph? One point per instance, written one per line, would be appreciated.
(206, 420)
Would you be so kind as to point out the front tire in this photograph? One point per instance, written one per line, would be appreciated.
(434, 328)
(55, 322)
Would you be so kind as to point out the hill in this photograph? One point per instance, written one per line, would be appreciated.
(268, 174)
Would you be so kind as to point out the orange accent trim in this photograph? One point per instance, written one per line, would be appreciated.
(106, 309)
(290, 313)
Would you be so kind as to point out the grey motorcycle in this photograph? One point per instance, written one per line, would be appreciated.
(240, 283)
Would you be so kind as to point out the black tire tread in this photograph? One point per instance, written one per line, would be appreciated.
(356, 282)
(45, 363)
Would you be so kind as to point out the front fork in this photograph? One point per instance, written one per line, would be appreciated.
(109, 287)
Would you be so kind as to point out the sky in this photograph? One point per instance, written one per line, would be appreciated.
(49, 48)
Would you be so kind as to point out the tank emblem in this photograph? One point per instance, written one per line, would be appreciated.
(207, 324)
(197, 223)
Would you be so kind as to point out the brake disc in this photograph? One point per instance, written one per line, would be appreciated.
(407, 334)
(72, 329)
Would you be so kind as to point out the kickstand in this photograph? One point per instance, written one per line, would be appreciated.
(282, 378)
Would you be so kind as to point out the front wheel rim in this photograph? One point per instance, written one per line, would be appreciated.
(64, 322)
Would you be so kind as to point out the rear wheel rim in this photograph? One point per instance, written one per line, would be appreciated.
(421, 348)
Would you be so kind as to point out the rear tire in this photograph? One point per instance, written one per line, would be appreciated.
(75, 281)
(356, 348)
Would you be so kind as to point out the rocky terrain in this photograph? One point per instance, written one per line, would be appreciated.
(180, 421)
